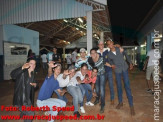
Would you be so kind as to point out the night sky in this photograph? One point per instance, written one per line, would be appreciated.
(126, 16)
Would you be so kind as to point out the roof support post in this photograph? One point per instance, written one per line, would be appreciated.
(102, 36)
(89, 31)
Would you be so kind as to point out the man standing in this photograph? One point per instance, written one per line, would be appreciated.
(44, 63)
(149, 63)
(116, 59)
(100, 81)
(24, 85)
(74, 55)
(56, 56)
(50, 56)
(108, 70)
(69, 59)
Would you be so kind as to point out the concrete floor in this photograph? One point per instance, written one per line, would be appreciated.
(143, 101)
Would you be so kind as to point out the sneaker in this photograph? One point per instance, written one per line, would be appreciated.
(46, 113)
(149, 90)
(89, 104)
(82, 109)
(76, 113)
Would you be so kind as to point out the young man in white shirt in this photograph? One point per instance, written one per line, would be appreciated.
(44, 63)
(74, 55)
(69, 59)
(151, 60)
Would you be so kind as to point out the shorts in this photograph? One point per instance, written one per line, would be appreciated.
(149, 72)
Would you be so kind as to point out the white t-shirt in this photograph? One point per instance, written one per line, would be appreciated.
(63, 82)
(44, 60)
(73, 81)
(74, 54)
(68, 58)
(153, 57)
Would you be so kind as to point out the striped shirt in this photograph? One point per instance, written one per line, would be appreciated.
(80, 61)
(100, 65)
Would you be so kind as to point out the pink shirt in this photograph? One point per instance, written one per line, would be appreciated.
(91, 80)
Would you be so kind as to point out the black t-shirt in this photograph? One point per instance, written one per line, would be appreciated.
(56, 57)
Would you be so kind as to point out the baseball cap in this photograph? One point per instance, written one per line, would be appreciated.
(99, 42)
(82, 50)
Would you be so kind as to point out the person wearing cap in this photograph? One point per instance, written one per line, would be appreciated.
(82, 59)
(74, 89)
(108, 70)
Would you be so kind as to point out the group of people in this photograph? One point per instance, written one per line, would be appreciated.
(86, 77)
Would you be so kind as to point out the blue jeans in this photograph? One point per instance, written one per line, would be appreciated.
(82, 91)
(126, 85)
(109, 76)
(50, 103)
(61, 97)
(100, 88)
(76, 94)
(88, 91)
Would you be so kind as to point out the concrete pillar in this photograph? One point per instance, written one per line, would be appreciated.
(102, 36)
(89, 31)
(64, 57)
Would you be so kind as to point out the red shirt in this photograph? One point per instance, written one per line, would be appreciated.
(91, 80)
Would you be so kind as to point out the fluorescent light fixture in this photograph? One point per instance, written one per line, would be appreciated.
(77, 28)
(142, 45)
(80, 20)
(157, 40)
(65, 20)
(12, 46)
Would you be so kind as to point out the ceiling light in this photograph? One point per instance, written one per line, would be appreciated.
(135, 48)
(65, 20)
(142, 45)
(68, 42)
(157, 40)
(77, 28)
(12, 46)
(64, 41)
(80, 20)
(81, 31)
